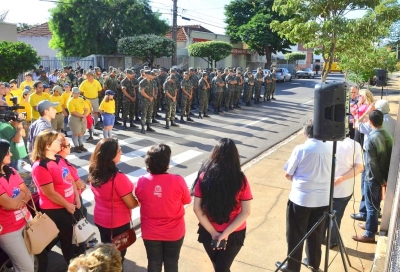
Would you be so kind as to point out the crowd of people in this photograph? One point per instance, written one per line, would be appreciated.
(366, 149)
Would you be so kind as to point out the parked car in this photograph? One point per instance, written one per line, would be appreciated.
(308, 72)
(283, 74)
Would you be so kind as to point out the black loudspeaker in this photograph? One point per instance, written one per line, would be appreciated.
(331, 109)
(380, 77)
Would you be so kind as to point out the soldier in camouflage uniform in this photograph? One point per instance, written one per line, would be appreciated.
(43, 77)
(223, 76)
(203, 88)
(138, 106)
(111, 83)
(238, 90)
(259, 80)
(230, 81)
(73, 79)
(155, 84)
(171, 92)
(195, 82)
(162, 77)
(120, 77)
(187, 95)
(267, 85)
(99, 77)
(146, 90)
(273, 84)
(218, 86)
(249, 86)
(246, 74)
(128, 100)
(63, 79)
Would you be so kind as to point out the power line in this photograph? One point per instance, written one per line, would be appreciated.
(200, 13)
(195, 17)
(190, 19)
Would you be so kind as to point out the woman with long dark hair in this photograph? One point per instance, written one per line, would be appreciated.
(113, 191)
(222, 204)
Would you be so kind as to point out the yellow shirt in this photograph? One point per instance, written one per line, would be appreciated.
(90, 90)
(65, 97)
(76, 104)
(57, 99)
(108, 107)
(7, 98)
(26, 83)
(34, 100)
(89, 106)
(17, 93)
(28, 109)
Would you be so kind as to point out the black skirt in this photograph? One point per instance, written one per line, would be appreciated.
(236, 238)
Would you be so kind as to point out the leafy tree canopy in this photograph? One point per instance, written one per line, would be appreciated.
(295, 56)
(146, 47)
(322, 24)
(248, 21)
(85, 27)
(16, 57)
(213, 50)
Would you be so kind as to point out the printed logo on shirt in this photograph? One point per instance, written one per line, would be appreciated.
(158, 191)
(67, 177)
(16, 192)
(69, 192)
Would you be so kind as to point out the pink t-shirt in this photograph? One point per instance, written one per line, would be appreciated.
(243, 195)
(74, 173)
(103, 202)
(56, 172)
(12, 220)
(162, 197)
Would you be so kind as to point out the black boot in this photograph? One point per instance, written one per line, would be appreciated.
(189, 119)
(226, 109)
(173, 124)
(124, 127)
(137, 119)
(200, 117)
(116, 123)
(237, 106)
(132, 125)
(206, 115)
(154, 121)
(182, 121)
(167, 125)
(143, 131)
(149, 128)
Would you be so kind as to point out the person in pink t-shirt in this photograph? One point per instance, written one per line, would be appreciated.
(162, 197)
(112, 208)
(58, 194)
(222, 203)
(13, 196)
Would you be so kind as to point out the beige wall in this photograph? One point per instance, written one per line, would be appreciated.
(8, 32)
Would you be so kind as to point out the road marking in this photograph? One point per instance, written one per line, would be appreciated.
(309, 101)
(255, 122)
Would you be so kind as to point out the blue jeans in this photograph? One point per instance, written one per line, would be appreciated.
(339, 205)
(363, 208)
(372, 192)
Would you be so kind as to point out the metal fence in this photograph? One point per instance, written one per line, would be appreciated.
(49, 64)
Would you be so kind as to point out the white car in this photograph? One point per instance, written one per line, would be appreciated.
(283, 74)
(308, 72)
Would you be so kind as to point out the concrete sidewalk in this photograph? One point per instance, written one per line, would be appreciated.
(265, 241)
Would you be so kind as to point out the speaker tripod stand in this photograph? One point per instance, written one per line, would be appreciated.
(332, 218)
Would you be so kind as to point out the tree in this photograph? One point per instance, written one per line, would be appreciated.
(213, 50)
(361, 66)
(85, 27)
(24, 26)
(146, 47)
(322, 24)
(295, 57)
(248, 21)
(16, 57)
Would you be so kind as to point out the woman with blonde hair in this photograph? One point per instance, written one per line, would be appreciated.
(361, 110)
(58, 194)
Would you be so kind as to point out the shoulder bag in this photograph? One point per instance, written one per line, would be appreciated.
(39, 232)
(124, 240)
(82, 230)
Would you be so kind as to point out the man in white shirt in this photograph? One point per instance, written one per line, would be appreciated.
(309, 170)
(349, 164)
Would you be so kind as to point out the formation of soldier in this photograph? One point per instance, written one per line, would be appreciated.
(139, 99)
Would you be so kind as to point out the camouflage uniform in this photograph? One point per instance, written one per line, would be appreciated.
(203, 99)
(157, 96)
(100, 79)
(147, 105)
(267, 85)
(195, 82)
(44, 80)
(62, 81)
(257, 86)
(161, 80)
(73, 79)
(170, 105)
(218, 91)
(111, 83)
(186, 102)
(128, 105)
(238, 91)
(273, 85)
(229, 91)
(249, 86)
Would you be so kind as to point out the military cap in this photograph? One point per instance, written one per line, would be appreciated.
(154, 71)
(65, 67)
(172, 77)
(147, 72)
(58, 89)
(141, 70)
(226, 69)
(173, 69)
(204, 74)
(97, 69)
(55, 70)
(129, 71)
(113, 71)
(185, 73)
(230, 71)
(163, 69)
(146, 67)
(191, 69)
(239, 72)
(109, 68)
(89, 72)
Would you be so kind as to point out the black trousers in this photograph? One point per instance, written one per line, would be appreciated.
(105, 235)
(299, 220)
(63, 220)
(222, 259)
(159, 252)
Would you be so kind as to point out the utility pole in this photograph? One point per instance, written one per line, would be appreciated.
(174, 31)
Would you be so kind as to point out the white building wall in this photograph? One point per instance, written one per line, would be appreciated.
(8, 32)
(41, 44)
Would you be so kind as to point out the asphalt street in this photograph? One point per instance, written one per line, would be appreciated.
(254, 129)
